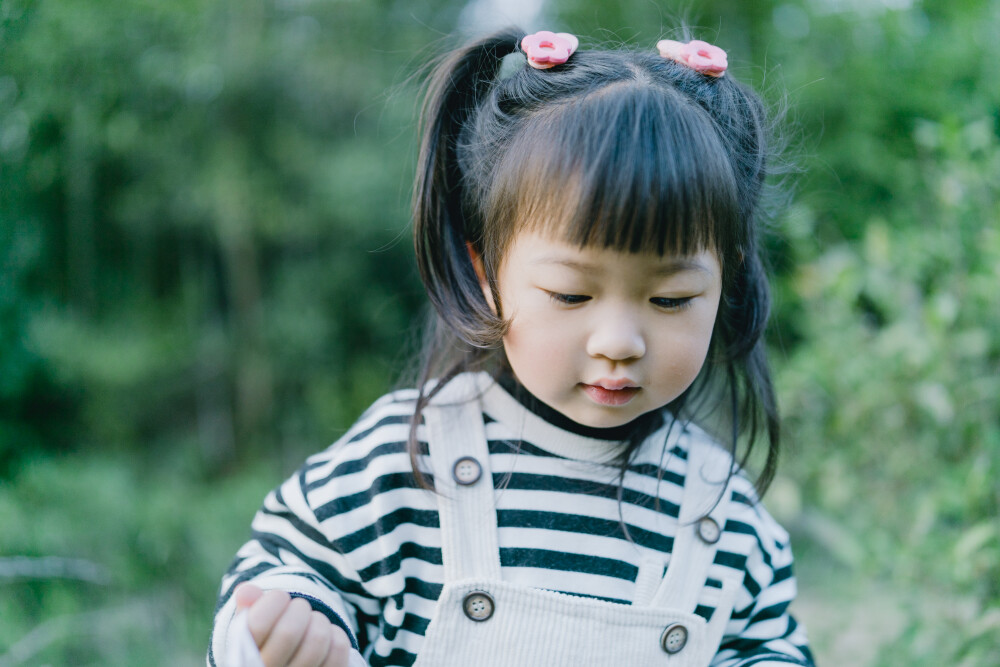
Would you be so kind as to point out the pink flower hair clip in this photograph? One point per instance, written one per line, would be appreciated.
(547, 49)
(700, 56)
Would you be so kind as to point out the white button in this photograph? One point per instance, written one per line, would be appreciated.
(709, 531)
(467, 471)
(674, 638)
(478, 605)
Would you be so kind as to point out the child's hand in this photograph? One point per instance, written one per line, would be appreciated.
(289, 633)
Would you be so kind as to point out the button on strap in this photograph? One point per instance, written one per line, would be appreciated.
(466, 471)
(674, 638)
(709, 531)
(478, 606)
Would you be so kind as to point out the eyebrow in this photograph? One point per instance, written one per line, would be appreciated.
(665, 269)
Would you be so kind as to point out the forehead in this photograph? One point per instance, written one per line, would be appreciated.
(540, 248)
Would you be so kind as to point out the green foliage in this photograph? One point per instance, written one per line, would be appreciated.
(205, 274)
(893, 398)
(207, 226)
(890, 379)
(138, 554)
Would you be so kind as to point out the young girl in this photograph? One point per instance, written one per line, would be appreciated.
(549, 494)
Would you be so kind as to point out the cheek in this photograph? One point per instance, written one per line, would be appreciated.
(536, 340)
(693, 355)
(701, 337)
(683, 351)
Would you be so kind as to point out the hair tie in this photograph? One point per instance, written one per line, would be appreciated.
(700, 56)
(547, 49)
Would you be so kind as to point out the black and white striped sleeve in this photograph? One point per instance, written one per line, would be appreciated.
(761, 631)
(292, 549)
(287, 552)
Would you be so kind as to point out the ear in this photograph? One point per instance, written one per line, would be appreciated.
(480, 269)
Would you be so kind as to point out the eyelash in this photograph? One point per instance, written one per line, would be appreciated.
(568, 299)
(666, 303)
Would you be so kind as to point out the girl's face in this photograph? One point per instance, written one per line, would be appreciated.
(604, 336)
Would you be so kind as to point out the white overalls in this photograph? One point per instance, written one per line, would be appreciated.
(484, 621)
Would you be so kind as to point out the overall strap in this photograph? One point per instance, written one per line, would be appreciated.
(460, 461)
(702, 519)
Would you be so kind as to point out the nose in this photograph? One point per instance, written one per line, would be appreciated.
(618, 337)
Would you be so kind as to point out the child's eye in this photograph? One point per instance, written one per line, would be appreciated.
(668, 303)
(568, 299)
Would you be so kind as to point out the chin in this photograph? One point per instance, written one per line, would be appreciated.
(603, 420)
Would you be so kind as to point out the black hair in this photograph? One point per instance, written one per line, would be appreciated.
(615, 148)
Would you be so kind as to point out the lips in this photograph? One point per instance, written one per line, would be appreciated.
(611, 392)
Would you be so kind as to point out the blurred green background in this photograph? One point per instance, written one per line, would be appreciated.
(206, 274)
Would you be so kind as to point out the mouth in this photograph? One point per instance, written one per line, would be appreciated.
(611, 392)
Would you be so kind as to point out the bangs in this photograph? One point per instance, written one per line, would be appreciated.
(630, 166)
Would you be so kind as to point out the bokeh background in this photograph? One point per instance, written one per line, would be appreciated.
(206, 274)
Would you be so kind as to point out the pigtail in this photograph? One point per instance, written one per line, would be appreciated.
(741, 120)
(444, 221)
(446, 227)
(743, 320)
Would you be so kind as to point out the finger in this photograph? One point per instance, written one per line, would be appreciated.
(265, 612)
(340, 648)
(246, 594)
(315, 645)
(287, 633)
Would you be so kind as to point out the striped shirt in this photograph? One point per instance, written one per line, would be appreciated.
(354, 534)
